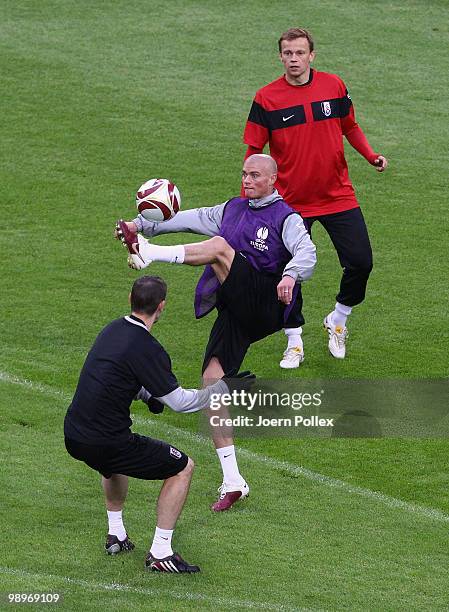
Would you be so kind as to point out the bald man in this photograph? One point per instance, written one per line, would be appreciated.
(258, 254)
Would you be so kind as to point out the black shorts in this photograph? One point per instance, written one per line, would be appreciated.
(248, 310)
(139, 457)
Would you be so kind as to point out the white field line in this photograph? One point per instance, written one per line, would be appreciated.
(223, 602)
(28, 384)
(296, 470)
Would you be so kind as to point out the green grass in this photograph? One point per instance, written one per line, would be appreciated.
(98, 97)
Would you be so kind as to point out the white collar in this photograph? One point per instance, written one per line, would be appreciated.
(134, 322)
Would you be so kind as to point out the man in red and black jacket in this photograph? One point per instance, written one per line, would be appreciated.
(303, 116)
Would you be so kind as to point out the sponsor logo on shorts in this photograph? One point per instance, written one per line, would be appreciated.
(174, 452)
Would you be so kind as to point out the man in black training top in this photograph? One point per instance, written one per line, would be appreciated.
(126, 362)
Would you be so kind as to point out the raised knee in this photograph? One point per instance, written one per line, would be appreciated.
(221, 246)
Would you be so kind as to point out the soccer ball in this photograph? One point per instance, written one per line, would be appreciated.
(158, 200)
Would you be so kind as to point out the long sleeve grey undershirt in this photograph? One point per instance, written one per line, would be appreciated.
(187, 400)
(207, 221)
(298, 242)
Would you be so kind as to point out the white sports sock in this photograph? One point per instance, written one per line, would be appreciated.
(161, 546)
(294, 337)
(340, 314)
(169, 254)
(228, 460)
(116, 526)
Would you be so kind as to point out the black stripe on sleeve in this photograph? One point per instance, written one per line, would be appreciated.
(257, 114)
(345, 105)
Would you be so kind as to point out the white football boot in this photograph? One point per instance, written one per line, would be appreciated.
(293, 357)
(141, 258)
(139, 249)
(337, 338)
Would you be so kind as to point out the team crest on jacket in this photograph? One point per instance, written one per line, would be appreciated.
(261, 236)
(326, 108)
(174, 452)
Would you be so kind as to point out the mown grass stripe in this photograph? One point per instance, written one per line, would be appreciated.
(297, 470)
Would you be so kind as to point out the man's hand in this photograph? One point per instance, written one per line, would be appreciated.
(285, 289)
(154, 405)
(131, 226)
(380, 163)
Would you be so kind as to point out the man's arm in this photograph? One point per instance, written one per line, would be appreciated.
(186, 400)
(151, 365)
(256, 134)
(297, 240)
(300, 268)
(192, 400)
(357, 139)
(206, 221)
(359, 142)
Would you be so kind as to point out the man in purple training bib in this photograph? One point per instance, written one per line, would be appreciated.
(258, 253)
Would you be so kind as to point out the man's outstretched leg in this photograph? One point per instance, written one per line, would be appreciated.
(115, 490)
(161, 557)
(215, 251)
(233, 486)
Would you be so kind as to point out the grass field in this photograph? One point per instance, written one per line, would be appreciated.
(96, 98)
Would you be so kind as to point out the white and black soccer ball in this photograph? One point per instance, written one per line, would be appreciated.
(158, 200)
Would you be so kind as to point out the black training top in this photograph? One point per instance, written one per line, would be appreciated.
(124, 358)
